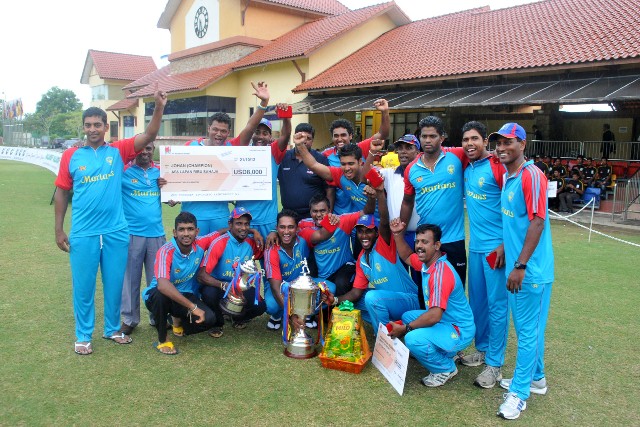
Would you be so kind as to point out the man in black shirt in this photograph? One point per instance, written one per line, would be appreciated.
(608, 145)
(603, 177)
(298, 184)
(589, 172)
(573, 191)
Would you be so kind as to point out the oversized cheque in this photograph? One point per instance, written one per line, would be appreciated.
(197, 173)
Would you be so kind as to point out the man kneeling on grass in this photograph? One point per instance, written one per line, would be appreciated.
(174, 288)
(434, 336)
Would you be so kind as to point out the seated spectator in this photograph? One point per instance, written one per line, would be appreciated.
(579, 166)
(557, 165)
(559, 189)
(589, 172)
(543, 166)
(603, 176)
(573, 191)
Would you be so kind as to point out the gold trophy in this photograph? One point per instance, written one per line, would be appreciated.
(302, 299)
(245, 276)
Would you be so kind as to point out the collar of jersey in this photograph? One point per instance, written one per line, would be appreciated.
(175, 245)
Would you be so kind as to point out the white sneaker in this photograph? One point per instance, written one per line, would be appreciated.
(436, 380)
(274, 324)
(475, 359)
(537, 386)
(488, 377)
(511, 407)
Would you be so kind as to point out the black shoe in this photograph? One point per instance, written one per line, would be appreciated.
(126, 329)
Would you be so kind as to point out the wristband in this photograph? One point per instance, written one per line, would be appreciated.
(335, 301)
(326, 224)
(263, 108)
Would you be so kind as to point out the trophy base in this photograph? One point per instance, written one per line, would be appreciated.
(231, 308)
(302, 355)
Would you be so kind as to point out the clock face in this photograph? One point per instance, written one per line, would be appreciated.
(201, 22)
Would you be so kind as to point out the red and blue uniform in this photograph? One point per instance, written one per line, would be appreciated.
(334, 252)
(265, 212)
(439, 200)
(180, 269)
(99, 233)
(355, 192)
(212, 215)
(435, 346)
(523, 198)
(280, 266)
(388, 289)
(219, 262)
(487, 287)
(342, 203)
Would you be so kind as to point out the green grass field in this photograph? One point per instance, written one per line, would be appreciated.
(244, 379)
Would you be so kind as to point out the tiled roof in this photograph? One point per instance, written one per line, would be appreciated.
(121, 66)
(306, 38)
(535, 35)
(124, 104)
(171, 83)
(218, 45)
(328, 7)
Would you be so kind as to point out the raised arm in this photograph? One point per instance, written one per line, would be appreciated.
(149, 135)
(285, 132)
(376, 146)
(397, 228)
(383, 132)
(261, 91)
(383, 211)
(319, 169)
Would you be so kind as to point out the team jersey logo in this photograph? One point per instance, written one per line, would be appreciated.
(297, 254)
(285, 265)
(197, 261)
(481, 182)
(134, 181)
(534, 286)
(454, 336)
(109, 160)
(451, 169)
(82, 168)
(511, 196)
(177, 270)
(378, 268)
(167, 149)
(347, 188)
(227, 261)
(419, 179)
(332, 239)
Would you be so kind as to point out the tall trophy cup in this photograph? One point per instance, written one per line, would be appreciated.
(301, 298)
(246, 275)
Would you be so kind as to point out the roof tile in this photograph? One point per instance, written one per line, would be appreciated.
(306, 38)
(121, 66)
(546, 33)
(329, 7)
(193, 80)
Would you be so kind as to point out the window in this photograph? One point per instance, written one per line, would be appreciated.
(99, 92)
(403, 123)
(113, 130)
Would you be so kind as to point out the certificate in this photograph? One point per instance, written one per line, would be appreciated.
(391, 357)
(212, 173)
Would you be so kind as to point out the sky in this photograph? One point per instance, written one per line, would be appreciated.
(46, 41)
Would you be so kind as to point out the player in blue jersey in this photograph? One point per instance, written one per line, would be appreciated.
(283, 262)
(99, 233)
(382, 289)
(213, 215)
(434, 182)
(483, 179)
(529, 265)
(436, 334)
(265, 211)
(143, 211)
(231, 249)
(341, 135)
(174, 288)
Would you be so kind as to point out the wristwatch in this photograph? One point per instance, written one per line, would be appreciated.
(408, 329)
(519, 266)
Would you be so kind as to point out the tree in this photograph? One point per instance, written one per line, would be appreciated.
(58, 101)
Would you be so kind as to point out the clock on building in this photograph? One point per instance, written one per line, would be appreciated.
(201, 22)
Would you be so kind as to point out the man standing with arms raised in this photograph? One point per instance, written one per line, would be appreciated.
(99, 235)
(529, 265)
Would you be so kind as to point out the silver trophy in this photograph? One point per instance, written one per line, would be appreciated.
(303, 300)
(246, 275)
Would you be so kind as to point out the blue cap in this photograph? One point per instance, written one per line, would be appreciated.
(238, 212)
(368, 221)
(408, 139)
(510, 130)
(266, 122)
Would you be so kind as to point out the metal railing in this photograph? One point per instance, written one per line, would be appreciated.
(626, 197)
